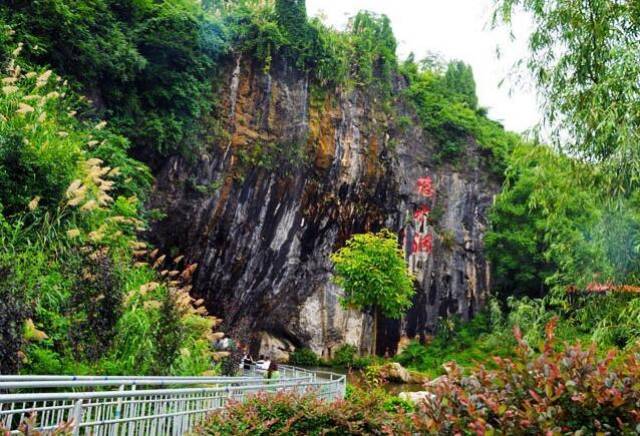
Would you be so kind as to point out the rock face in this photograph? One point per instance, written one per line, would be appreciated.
(286, 174)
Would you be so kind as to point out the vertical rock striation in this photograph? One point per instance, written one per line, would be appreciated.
(287, 173)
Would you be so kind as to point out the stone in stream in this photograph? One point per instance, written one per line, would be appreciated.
(416, 397)
(396, 373)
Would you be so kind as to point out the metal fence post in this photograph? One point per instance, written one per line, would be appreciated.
(77, 417)
(118, 413)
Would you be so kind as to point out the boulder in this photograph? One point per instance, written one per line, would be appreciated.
(275, 348)
(394, 372)
(415, 397)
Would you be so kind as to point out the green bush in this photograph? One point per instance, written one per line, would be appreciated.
(345, 355)
(476, 341)
(446, 104)
(303, 357)
(288, 414)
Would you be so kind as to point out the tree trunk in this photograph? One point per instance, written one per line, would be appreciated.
(375, 332)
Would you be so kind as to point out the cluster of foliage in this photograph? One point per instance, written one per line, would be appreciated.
(467, 344)
(559, 389)
(372, 271)
(446, 103)
(556, 389)
(554, 227)
(364, 52)
(146, 64)
(345, 356)
(543, 215)
(370, 413)
(303, 357)
(584, 58)
(571, 221)
(79, 292)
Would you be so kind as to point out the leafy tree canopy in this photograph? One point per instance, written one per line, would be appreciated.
(147, 65)
(585, 57)
(373, 273)
(459, 79)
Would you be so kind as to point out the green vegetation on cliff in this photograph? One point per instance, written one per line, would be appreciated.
(446, 103)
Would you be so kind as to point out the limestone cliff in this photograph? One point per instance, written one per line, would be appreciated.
(288, 172)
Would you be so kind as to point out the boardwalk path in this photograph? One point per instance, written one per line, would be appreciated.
(142, 406)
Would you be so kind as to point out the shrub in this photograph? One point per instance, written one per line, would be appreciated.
(570, 389)
(413, 355)
(12, 315)
(345, 355)
(303, 357)
(289, 414)
(466, 343)
(79, 292)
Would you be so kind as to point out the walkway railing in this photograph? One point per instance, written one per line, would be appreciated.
(101, 406)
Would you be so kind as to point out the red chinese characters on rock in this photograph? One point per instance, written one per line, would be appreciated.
(425, 187)
(422, 243)
(421, 213)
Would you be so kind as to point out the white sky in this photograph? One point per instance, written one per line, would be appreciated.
(457, 29)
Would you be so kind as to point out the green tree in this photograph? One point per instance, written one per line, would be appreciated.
(147, 65)
(439, 98)
(374, 46)
(459, 80)
(545, 226)
(292, 17)
(374, 275)
(584, 57)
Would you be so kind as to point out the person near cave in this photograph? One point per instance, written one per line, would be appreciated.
(272, 372)
(247, 360)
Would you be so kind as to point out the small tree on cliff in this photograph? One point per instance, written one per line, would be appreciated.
(372, 271)
(292, 19)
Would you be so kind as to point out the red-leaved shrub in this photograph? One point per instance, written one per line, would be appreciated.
(560, 390)
(301, 415)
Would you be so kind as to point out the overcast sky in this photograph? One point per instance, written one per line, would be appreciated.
(457, 29)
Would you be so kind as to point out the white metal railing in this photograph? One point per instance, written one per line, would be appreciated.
(122, 405)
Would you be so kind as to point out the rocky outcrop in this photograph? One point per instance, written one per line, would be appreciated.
(286, 174)
(396, 373)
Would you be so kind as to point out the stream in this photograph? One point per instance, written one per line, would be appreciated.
(356, 377)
